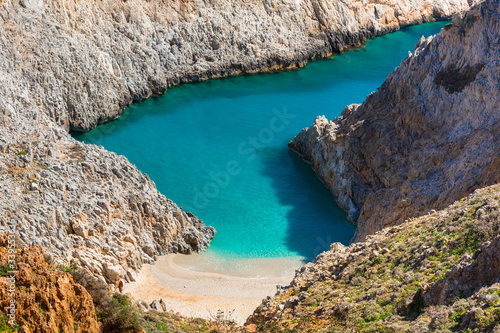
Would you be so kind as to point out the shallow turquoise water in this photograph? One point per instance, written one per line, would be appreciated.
(219, 148)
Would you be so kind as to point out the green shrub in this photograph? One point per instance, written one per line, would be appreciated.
(68, 269)
(5, 326)
(119, 316)
(4, 270)
(116, 312)
(97, 289)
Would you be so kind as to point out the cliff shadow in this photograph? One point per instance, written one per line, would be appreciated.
(314, 219)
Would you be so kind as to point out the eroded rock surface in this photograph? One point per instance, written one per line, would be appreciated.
(427, 137)
(83, 62)
(47, 300)
(84, 204)
(72, 65)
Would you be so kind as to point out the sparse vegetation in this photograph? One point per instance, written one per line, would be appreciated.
(390, 283)
(97, 289)
(223, 322)
(5, 327)
(68, 269)
(118, 315)
(4, 270)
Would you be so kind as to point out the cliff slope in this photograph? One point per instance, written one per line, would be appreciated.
(435, 273)
(72, 65)
(82, 62)
(84, 204)
(427, 137)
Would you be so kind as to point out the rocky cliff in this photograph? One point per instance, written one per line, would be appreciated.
(83, 62)
(427, 137)
(84, 204)
(72, 65)
(436, 273)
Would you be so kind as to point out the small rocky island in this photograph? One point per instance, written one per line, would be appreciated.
(415, 166)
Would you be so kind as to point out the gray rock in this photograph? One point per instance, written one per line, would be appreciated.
(105, 236)
(115, 273)
(158, 305)
(426, 138)
(95, 60)
(79, 66)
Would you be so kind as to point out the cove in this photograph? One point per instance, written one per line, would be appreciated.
(219, 148)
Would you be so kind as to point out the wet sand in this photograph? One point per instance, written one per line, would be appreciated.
(200, 284)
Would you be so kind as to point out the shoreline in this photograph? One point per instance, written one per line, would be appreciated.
(201, 293)
(257, 69)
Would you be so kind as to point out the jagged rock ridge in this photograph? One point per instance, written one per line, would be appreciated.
(86, 205)
(427, 137)
(83, 62)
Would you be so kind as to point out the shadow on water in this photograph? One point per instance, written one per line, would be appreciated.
(311, 230)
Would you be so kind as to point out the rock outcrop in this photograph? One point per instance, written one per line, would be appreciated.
(46, 300)
(86, 205)
(435, 273)
(72, 65)
(427, 137)
(83, 62)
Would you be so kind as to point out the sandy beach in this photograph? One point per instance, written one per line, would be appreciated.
(200, 284)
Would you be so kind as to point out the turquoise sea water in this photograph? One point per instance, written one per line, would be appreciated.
(219, 148)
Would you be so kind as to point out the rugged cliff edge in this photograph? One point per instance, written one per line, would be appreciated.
(83, 62)
(72, 65)
(427, 137)
(84, 204)
(46, 299)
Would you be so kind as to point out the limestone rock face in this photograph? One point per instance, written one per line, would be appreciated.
(427, 137)
(72, 65)
(90, 206)
(83, 62)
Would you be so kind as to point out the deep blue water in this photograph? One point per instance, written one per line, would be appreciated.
(219, 148)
